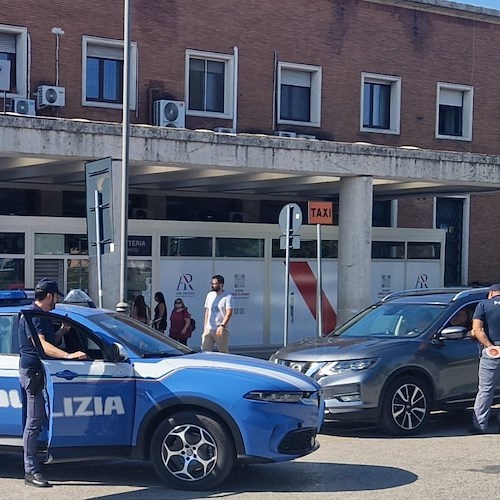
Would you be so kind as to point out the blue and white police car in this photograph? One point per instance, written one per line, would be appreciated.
(141, 395)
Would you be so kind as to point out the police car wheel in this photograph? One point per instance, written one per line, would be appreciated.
(192, 451)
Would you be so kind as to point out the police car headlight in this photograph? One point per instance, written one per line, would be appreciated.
(352, 365)
(278, 397)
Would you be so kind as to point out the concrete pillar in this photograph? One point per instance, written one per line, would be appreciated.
(355, 236)
(110, 260)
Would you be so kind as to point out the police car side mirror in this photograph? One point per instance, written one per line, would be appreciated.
(118, 352)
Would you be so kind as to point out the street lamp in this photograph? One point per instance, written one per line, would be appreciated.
(122, 306)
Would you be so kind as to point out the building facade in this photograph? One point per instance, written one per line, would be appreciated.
(397, 74)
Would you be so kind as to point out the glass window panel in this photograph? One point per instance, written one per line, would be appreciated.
(424, 250)
(18, 202)
(377, 105)
(295, 103)
(215, 86)
(196, 84)
(239, 247)
(12, 58)
(450, 120)
(388, 250)
(92, 78)
(78, 274)
(76, 244)
(112, 80)
(307, 250)
(49, 244)
(139, 274)
(185, 246)
(11, 274)
(11, 242)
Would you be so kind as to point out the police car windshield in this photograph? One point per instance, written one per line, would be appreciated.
(143, 340)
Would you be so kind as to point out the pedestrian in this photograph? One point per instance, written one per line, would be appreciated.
(218, 311)
(140, 311)
(486, 329)
(160, 317)
(180, 322)
(31, 376)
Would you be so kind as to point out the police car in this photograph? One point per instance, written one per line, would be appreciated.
(142, 395)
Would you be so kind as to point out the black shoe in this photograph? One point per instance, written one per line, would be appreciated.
(36, 480)
(476, 430)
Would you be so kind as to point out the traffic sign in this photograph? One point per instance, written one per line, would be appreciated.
(295, 218)
(320, 212)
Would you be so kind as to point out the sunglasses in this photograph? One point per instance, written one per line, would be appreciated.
(177, 302)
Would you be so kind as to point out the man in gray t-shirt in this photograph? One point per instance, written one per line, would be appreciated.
(486, 329)
(218, 312)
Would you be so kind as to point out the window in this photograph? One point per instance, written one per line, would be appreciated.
(388, 250)
(380, 103)
(102, 61)
(209, 84)
(299, 94)
(239, 247)
(454, 112)
(13, 48)
(185, 246)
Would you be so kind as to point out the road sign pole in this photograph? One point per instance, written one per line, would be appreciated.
(289, 239)
(319, 286)
(97, 209)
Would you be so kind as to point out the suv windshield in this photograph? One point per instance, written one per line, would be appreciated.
(143, 340)
(392, 320)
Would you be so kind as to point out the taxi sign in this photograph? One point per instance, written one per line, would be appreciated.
(320, 212)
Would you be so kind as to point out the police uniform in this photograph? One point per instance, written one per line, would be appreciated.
(32, 382)
(488, 311)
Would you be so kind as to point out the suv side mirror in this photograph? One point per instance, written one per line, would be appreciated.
(453, 333)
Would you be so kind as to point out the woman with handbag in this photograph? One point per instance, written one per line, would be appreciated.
(180, 322)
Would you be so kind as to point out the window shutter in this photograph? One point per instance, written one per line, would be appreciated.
(451, 97)
(105, 51)
(295, 78)
(8, 43)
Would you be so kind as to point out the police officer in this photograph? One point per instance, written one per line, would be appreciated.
(31, 375)
(486, 330)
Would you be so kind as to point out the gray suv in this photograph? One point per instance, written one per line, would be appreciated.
(397, 360)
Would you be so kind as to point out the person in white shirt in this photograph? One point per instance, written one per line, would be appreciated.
(218, 311)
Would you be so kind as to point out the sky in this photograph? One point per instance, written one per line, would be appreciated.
(491, 4)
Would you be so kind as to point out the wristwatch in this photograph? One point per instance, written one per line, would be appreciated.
(223, 326)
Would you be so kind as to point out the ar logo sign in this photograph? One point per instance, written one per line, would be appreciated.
(421, 281)
(184, 282)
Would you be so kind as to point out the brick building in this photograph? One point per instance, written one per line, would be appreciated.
(395, 73)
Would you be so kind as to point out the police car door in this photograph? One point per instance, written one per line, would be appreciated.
(91, 403)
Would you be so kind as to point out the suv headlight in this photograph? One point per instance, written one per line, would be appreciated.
(351, 365)
(277, 396)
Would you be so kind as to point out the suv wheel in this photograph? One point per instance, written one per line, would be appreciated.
(192, 451)
(405, 407)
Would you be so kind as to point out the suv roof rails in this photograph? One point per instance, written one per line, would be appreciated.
(464, 293)
(426, 291)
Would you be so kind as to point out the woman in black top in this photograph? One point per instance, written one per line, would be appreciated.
(160, 318)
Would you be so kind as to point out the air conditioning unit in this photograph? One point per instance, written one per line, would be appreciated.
(49, 95)
(224, 130)
(283, 133)
(23, 106)
(142, 213)
(170, 114)
(306, 136)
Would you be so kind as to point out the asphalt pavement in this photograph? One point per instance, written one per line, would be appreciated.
(354, 462)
